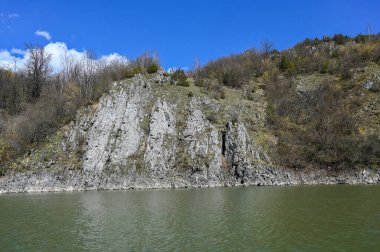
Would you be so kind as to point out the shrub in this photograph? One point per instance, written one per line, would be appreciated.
(361, 38)
(370, 150)
(183, 83)
(325, 67)
(146, 59)
(287, 65)
(317, 129)
(199, 82)
(180, 78)
(284, 63)
(152, 68)
(128, 73)
(131, 72)
(340, 39)
(4, 150)
(231, 78)
(377, 54)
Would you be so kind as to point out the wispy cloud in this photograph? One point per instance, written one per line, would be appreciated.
(44, 34)
(5, 18)
(13, 15)
(17, 51)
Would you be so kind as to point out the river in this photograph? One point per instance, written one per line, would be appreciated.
(294, 218)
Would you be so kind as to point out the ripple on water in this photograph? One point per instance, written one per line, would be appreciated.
(301, 218)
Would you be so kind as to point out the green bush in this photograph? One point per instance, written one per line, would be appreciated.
(180, 78)
(284, 63)
(199, 82)
(131, 72)
(128, 74)
(288, 65)
(341, 39)
(153, 68)
(361, 38)
(183, 83)
(325, 67)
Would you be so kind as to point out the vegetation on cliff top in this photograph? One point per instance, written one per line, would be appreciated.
(318, 95)
(322, 97)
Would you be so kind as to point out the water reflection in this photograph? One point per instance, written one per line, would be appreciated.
(229, 219)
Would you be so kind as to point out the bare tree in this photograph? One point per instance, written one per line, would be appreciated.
(196, 66)
(90, 68)
(266, 47)
(146, 59)
(37, 70)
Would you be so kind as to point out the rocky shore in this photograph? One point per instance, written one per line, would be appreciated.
(83, 181)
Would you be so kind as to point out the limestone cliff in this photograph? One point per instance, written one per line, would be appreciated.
(147, 133)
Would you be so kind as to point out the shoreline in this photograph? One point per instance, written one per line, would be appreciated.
(71, 181)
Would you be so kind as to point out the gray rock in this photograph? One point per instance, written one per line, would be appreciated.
(373, 85)
(161, 145)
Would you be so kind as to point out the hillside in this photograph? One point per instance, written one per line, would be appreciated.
(258, 118)
(322, 98)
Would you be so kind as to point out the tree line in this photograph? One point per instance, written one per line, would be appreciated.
(35, 101)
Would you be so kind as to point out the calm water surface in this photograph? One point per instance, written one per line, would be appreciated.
(301, 218)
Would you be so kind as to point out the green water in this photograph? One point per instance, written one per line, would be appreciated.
(300, 218)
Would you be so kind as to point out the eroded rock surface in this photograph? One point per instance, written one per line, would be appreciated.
(203, 146)
(161, 145)
(134, 138)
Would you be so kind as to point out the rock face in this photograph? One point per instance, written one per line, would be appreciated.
(135, 138)
(202, 146)
(114, 133)
(160, 149)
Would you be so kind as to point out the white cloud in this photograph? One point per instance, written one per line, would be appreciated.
(8, 61)
(13, 15)
(17, 51)
(5, 56)
(58, 51)
(44, 34)
(114, 57)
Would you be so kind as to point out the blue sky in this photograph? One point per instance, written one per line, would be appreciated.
(179, 30)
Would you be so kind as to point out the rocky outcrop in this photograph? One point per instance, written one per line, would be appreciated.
(160, 150)
(373, 84)
(134, 138)
(203, 146)
(113, 133)
(242, 154)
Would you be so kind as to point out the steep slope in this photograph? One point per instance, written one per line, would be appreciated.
(147, 133)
